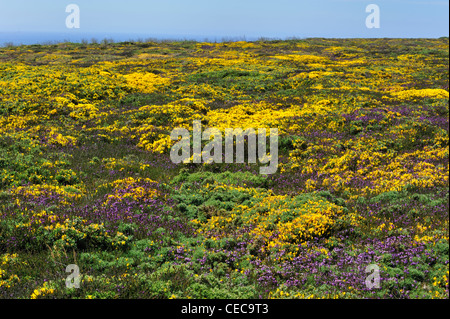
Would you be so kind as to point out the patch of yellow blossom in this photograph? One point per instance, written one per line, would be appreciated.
(68, 193)
(43, 291)
(8, 280)
(131, 188)
(420, 94)
(146, 82)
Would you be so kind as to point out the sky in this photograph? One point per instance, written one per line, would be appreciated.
(218, 19)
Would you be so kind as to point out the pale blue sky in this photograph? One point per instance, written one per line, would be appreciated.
(230, 18)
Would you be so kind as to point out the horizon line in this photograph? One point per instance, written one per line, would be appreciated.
(146, 38)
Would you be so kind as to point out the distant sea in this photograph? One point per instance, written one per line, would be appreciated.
(28, 38)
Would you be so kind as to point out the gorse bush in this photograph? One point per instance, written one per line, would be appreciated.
(86, 176)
